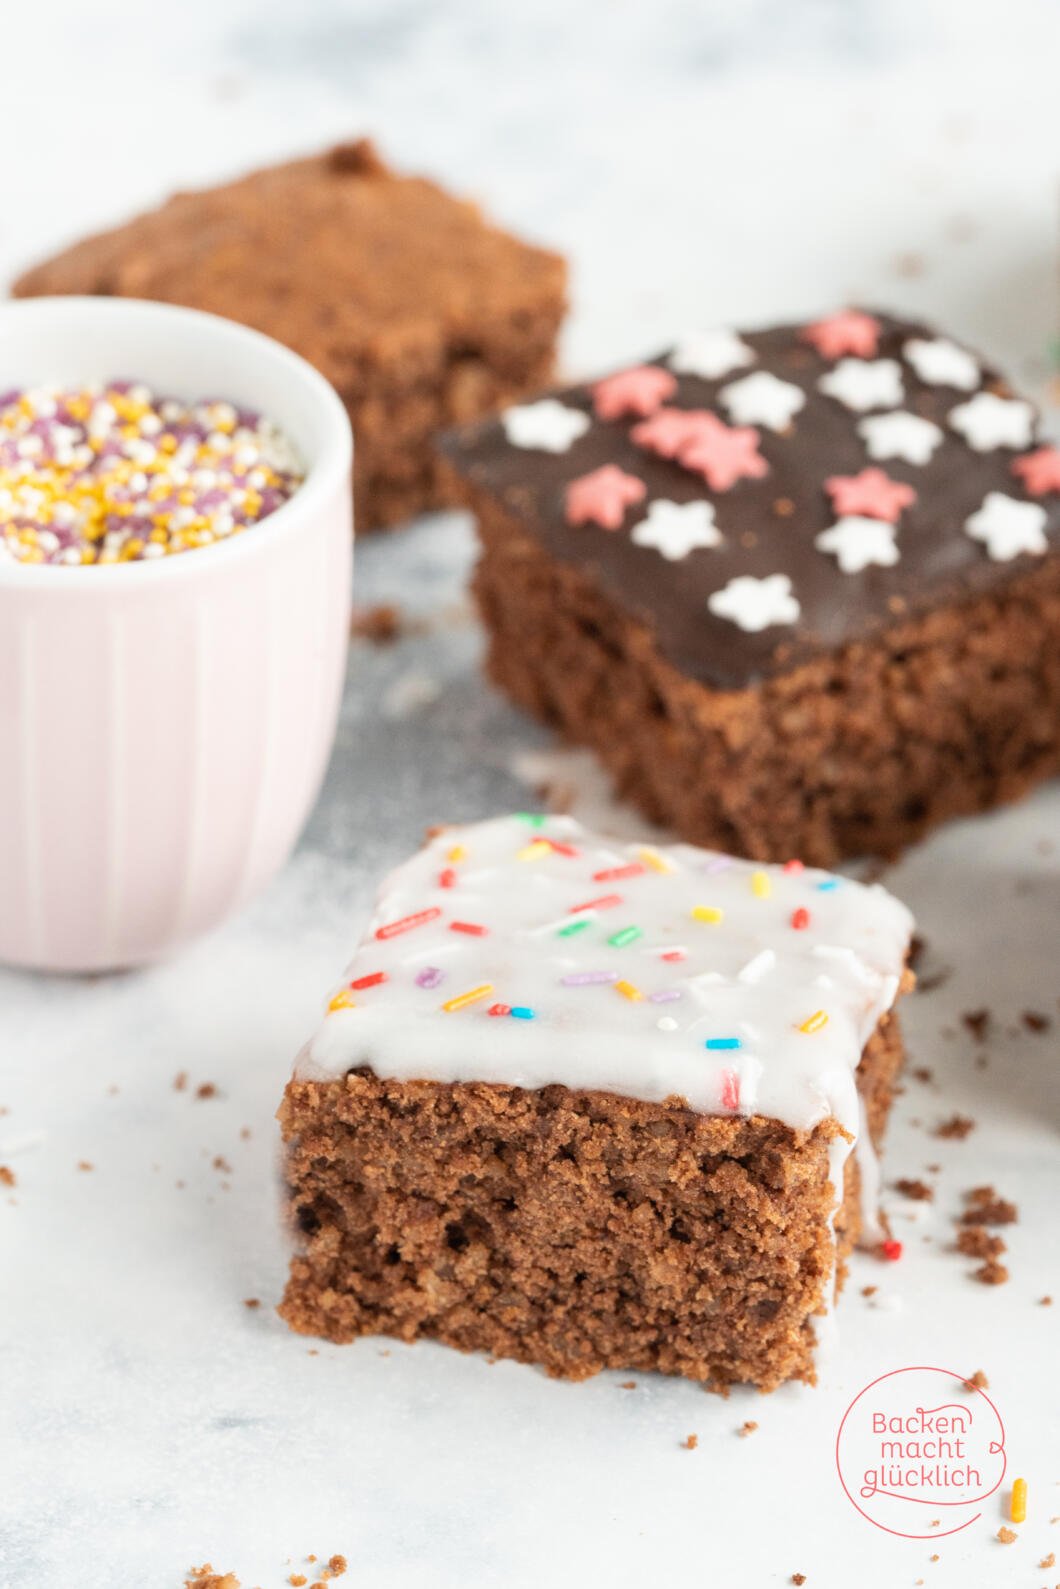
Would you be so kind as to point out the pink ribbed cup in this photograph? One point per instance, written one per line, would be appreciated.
(165, 726)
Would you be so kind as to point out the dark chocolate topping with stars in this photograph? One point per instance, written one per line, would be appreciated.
(768, 526)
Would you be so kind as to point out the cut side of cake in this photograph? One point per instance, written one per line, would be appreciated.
(799, 589)
(593, 1105)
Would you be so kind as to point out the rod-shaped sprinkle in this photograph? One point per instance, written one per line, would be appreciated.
(628, 991)
(618, 874)
(371, 981)
(626, 935)
(585, 979)
(471, 928)
(814, 1022)
(393, 929)
(605, 902)
(761, 885)
(719, 1043)
(342, 1001)
(472, 996)
(711, 914)
(665, 995)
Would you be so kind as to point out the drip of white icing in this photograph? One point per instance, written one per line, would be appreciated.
(758, 955)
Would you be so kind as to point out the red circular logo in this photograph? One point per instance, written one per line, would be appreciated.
(921, 1446)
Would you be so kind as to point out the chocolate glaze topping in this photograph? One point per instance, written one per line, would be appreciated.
(769, 525)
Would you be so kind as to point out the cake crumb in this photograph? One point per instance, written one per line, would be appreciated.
(206, 1089)
(298, 1579)
(1045, 1302)
(627, 1384)
(976, 1242)
(690, 1442)
(1007, 1536)
(798, 1578)
(85, 1166)
(869, 1291)
(1035, 1021)
(180, 1081)
(379, 624)
(955, 1129)
(919, 1191)
(221, 1163)
(747, 1428)
(337, 1565)
(991, 1273)
(934, 1558)
(924, 1074)
(251, 1302)
(1048, 1561)
(7, 1176)
(204, 1577)
(977, 1381)
(977, 1022)
(985, 1207)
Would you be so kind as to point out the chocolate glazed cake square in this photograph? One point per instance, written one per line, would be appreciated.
(592, 1106)
(799, 589)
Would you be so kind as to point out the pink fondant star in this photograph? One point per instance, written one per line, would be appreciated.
(723, 454)
(1039, 471)
(670, 429)
(603, 496)
(849, 332)
(871, 494)
(639, 391)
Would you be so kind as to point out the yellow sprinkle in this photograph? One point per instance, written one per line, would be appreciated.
(652, 859)
(761, 885)
(814, 1022)
(709, 913)
(628, 991)
(343, 1001)
(456, 854)
(472, 996)
(536, 850)
(1018, 1506)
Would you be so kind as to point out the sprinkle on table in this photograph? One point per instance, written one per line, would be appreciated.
(628, 991)
(472, 996)
(721, 1043)
(113, 473)
(708, 913)
(626, 935)
(394, 929)
(814, 1022)
(1018, 1504)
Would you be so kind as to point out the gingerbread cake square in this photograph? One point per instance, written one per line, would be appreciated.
(799, 589)
(593, 1105)
(419, 312)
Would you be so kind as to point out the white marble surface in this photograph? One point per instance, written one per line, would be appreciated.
(737, 163)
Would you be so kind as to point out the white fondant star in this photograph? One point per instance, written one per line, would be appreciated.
(547, 426)
(943, 363)
(986, 421)
(857, 542)
(900, 435)
(755, 604)
(763, 399)
(862, 384)
(1008, 527)
(711, 354)
(677, 528)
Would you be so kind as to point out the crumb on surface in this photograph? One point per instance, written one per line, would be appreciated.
(204, 1577)
(977, 1022)
(919, 1191)
(251, 1302)
(7, 1176)
(955, 1129)
(991, 1273)
(627, 1384)
(798, 1578)
(869, 1291)
(1045, 1302)
(747, 1428)
(1048, 1561)
(206, 1089)
(379, 624)
(690, 1442)
(923, 1073)
(974, 1241)
(985, 1207)
(85, 1165)
(298, 1579)
(1036, 1020)
(180, 1081)
(337, 1565)
(1007, 1536)
(976, 1381)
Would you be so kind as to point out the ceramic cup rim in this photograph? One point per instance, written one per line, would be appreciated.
(333, 448)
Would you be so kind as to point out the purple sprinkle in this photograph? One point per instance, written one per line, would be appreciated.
(581, 979)
(717, 863)
(664, 996)
(430, 977)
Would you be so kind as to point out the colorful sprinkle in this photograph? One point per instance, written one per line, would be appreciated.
(617, 874)
(708, 913)
(112, 473)
(521, 1012)
(371, 981)
(674, 954)
(472, 996)
(730, 1090)
(572, 927)
(891, 1250)
(408, 923)
(499, 1009)
(430, 977)
(606, 902)
(657, 862)
(533, 819)
(793, 868)
(559, 848)
(800, 919)
(723, 1042)
(665, 995)
(619, 940)
(536, 850)
(814, 1022)
(761, 885)
(456, 855)
(447, 878)
(1018, 1504)
(342, 1001)
(827, 884)
(716, 864)
(471, 928)
(585, 979)
(628, 991)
